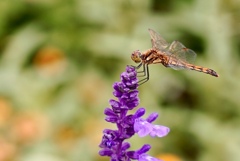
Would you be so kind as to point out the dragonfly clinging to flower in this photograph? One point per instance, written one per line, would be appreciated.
(174, 55)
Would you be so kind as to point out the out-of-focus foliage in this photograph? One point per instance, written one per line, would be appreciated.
(59, 59)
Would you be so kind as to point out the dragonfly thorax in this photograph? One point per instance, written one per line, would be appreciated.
(136, 56)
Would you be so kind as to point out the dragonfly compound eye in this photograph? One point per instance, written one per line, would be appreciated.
(136, 56)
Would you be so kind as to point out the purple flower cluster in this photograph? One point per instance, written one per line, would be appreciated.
(113, 142)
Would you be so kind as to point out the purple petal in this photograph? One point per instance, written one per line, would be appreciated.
(119, 86)
(132, 104)
(109, 139)
(135, 154)
(128, 121)
(146, 157)
(111, 119)
(133, 94)
(125, 77)
(110, 134)
(130, 83)
(140, 112)
(119, 89)
(125, 146)
(142, 127)
(117, 93)
(109, 112)
(159, 130)
(132, 155)
(114, 103)
(145, 148)
(105, 152)
(127, 133)
(152, 117)
(130, 69)
(123, 107)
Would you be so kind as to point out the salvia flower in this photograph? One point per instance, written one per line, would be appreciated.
(113, 142)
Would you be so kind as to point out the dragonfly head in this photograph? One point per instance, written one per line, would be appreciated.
(136, 56)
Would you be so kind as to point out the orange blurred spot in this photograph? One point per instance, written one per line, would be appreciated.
(66, 133)
(65, 137)
(48, 55)
(7, 150)
(5, 111)
(93, 130)
(50, 61)
(169, 157)
(29, 127)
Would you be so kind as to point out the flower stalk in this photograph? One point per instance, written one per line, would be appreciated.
(113, 142)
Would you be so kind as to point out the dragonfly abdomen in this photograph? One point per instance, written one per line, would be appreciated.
(202, 69)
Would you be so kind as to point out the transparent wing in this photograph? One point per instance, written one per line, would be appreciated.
(180, 52)
(157, 41)
(180, 55)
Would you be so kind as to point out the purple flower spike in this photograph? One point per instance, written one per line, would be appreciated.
(113, 142)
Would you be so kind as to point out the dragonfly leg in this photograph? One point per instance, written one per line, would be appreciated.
(143, 71)
(146, 72)
(137, 67)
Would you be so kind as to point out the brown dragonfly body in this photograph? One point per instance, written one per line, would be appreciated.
(174, 55)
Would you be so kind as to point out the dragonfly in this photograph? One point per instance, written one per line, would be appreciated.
(174, 55)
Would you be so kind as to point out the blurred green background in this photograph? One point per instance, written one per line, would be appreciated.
(59, 59)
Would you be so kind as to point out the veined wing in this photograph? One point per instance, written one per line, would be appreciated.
(181, 55)
(157, 41)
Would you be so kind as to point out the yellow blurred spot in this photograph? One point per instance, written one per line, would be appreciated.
(65, 137)
(169, 157)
